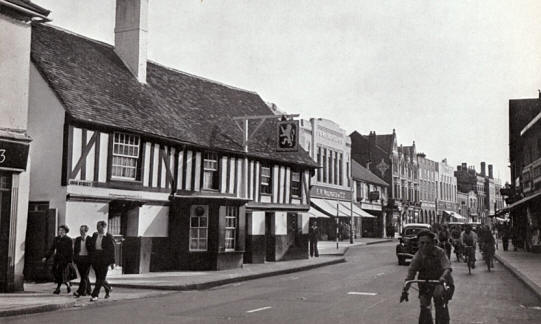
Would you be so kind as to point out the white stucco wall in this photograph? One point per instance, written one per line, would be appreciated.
(46, 127)
(83, 213)
(154, 221)
(280, 223)
(256, 223)
(14, 67)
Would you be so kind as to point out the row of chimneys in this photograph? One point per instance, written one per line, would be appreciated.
(483, 169)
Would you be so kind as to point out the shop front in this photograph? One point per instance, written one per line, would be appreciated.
(207, 232)
(335, 212)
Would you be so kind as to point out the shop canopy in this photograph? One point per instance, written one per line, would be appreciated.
(455, 215)
(335, 208)
(523, 200)
(314, 213)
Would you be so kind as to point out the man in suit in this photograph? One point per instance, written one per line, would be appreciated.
(81, 257)
(102, 251)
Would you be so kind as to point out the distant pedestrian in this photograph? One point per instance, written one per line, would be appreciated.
(314, 236)
(81, 257)
(62, 249)
(505, 237)
(102, 252)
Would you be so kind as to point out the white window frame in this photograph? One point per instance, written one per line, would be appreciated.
(210, 166)
(125, 142)
(201, 227)
(231, 226)
(266, 183)
(299, 173)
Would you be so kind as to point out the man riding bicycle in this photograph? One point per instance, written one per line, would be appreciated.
(468, 238)
(431, 263)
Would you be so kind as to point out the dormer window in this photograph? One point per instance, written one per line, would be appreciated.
(125, 162)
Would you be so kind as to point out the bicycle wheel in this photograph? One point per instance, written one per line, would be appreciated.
(468, 261)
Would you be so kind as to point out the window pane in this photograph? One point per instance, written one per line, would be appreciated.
(203, 221)
(193, 244)
(194, 222)
(203, 244)
(203, 233)
(193, 233)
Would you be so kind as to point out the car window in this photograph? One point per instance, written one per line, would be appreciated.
(413, 230)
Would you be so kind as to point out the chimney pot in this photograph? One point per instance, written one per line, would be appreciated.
(490, 171)
(483, 169)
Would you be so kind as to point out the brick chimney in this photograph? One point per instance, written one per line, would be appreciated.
(371, 146)
(483, 169)
(131, 32)
(490, 171)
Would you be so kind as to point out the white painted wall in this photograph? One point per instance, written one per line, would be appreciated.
(14, 69)
(84, 213)
(46, 127)
(280, 223)
(305, 219)
(154, 221)
(256, 223)
(21, 182)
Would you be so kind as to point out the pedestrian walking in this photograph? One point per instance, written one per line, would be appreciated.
(102, 252)
(314, 236)
(82, 261)
(62, 248)
(506, 235)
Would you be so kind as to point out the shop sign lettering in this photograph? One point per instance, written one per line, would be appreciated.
(13, 155)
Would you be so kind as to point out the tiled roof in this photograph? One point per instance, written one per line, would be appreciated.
(96, 87)
(358, 172)
(27, 4)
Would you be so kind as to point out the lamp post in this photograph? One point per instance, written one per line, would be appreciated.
(351, 218)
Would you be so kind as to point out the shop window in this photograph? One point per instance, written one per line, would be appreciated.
(296, 184)
(199, 228)
(266, 180)
(231, 222)
(210, 171)
(125, 156)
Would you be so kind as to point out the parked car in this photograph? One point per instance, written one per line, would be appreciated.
(407, 246)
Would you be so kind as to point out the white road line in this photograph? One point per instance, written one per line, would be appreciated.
(258, 309)
(362, 293)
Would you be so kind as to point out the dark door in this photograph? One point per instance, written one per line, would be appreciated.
(40, 232)
(5, 217)
(269, 240)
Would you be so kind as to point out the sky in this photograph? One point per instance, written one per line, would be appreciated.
(439, 72)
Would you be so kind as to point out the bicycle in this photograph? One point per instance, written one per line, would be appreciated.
(468, 252)
(487, 256)
(445, 295)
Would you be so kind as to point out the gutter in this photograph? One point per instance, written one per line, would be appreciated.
(26, 11)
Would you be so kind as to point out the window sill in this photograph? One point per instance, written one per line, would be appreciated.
(125, 180)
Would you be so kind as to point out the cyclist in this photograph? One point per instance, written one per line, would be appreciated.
(469, 238)
(443, 238)
(455, 237)
(487, 243)
(431, 263)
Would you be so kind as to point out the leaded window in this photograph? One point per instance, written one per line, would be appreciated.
(125, 156)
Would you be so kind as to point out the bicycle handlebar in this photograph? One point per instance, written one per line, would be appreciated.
(408, 283)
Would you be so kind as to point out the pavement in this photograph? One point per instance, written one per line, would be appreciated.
(525, 266)
(39, 298)
(365, 289)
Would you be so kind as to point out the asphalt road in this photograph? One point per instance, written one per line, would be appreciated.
(366, 289)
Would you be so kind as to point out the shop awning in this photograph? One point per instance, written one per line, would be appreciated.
(314, 213)
(455, 214)
(330, 207)
(523, 200)
(357, 211)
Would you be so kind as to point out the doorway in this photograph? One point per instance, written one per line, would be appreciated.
(269, 240)
(40, 233)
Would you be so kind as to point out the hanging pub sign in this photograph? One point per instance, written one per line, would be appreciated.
(13, 155)
(288, 136)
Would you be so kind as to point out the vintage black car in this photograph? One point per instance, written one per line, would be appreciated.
(407, 246)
